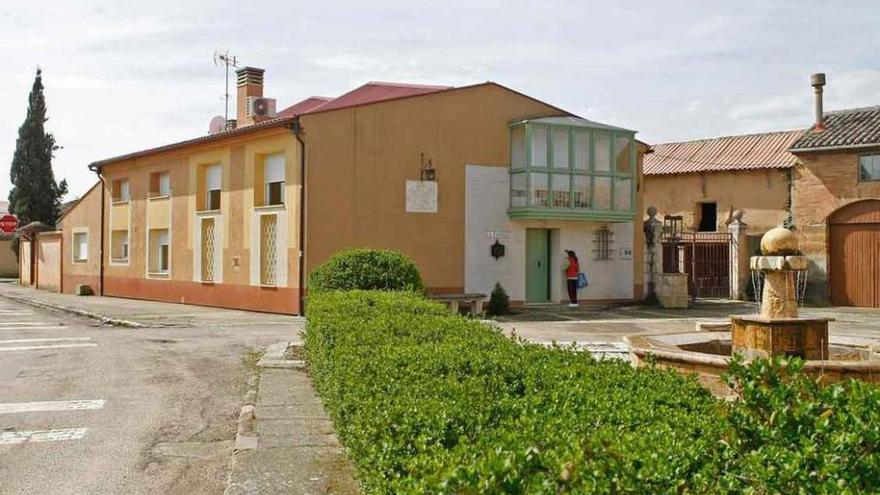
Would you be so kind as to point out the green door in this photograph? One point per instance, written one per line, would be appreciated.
(537, 265)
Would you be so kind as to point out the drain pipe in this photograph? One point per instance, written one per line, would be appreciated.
(296, 127)
(97, 170)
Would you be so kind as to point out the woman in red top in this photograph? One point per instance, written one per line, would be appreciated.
(572, 268)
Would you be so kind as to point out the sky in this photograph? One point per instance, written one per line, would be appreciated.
(124, 76)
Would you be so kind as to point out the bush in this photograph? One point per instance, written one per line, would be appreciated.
(366, 269)
(428, 402)
(499, 302)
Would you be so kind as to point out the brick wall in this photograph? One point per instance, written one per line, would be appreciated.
(824, 182)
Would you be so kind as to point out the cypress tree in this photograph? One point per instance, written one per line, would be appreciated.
(35, 196)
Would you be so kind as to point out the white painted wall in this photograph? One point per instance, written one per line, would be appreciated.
(486, 201)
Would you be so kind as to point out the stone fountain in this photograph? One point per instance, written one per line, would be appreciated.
(776, 330)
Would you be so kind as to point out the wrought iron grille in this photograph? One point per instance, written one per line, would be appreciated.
(603, 239)
(208, 250)
(269, 251)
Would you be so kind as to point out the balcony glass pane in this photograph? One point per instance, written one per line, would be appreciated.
(539, 190)
(602, 194)
(581, 150)
(518, 147)
(622, 154)
(603, 151)
(561, 190)
(623, 194)
(581, 191)
(518, 190)
(539, 146)
(560, 147)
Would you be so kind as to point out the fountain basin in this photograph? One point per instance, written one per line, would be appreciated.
(708, 355)
(760, 336)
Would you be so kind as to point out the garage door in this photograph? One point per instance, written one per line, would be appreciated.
(855, 255)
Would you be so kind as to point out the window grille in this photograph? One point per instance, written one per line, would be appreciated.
(269, 250)
(603, 239)
(208, 250)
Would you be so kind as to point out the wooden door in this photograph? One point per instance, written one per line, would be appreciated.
(855, 265)
(537, 265)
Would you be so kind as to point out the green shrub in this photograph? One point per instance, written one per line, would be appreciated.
(499, 302)
(428, 402)
(366, 269)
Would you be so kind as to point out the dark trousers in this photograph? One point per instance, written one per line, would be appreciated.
(572, 290)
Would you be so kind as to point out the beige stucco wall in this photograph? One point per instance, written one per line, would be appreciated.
(762, 195)
(84, 216)
(8, 261)
(359, 159)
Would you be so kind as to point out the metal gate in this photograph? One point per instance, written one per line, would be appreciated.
(704, 256)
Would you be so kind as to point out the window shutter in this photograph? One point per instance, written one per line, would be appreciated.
(274, 168)
(212, 177)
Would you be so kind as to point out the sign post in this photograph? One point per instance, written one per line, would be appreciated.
(8, 223)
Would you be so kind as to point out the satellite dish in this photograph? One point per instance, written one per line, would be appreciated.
(218, 124)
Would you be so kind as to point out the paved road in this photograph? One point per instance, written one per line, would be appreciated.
(88, 409)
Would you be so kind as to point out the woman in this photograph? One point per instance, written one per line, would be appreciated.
(572, 268)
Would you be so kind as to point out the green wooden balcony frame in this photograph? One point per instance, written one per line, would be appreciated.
(572, 127)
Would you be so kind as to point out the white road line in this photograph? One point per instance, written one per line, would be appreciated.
(25, 323)
(54, 405)
(33, 328)
(24, 341)
(17, 437)
(40, 347)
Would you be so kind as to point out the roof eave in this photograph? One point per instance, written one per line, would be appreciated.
(834, 148)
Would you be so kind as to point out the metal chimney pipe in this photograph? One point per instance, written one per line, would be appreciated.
(818, 82)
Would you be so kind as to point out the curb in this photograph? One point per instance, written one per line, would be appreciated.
(274, 357)
(81, 312)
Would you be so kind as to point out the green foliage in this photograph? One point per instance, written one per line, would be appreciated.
(35, 196)
(499, 301)
(366, 269)
(429, 402)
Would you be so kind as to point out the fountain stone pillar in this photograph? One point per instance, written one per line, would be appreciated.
(778, 330)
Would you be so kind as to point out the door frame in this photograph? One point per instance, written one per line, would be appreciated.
(547, 273)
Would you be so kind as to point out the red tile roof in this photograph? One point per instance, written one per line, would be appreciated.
(372, 92)
(747, 152)
(304, 106)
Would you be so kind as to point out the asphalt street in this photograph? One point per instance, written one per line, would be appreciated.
(91, 409)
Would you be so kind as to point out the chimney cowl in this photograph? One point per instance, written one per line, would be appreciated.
(818, 82)
(250, 75)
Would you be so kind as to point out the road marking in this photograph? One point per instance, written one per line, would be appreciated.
(40, 347)
(53, 405)
(33, 328)
(17, 437)
(25, 323)
(24, 341)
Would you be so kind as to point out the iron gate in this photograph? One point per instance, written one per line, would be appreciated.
(704, 256)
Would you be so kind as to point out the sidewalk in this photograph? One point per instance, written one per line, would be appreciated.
(286, 442)
(138, 313)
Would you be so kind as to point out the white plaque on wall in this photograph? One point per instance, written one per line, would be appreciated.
(421, 196)
(626, 253)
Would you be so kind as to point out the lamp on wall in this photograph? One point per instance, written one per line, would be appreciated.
(497, 250)
(427, 172)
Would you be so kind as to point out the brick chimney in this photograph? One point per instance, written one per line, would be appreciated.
(250, 84)
(818, 83)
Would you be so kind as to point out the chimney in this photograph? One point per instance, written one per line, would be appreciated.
(818, 82)
(250, 84)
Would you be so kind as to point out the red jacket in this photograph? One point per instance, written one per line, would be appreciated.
(573, 268)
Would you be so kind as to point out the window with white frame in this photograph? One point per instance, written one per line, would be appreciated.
(160, 251)
(869, 167)
(80, 246)
(213, 186)
(121, 191)
(160, 184)
(274, 178)
(119, 246)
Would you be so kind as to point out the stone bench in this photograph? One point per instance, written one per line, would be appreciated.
(452, 301)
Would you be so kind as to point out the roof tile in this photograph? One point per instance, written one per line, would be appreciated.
(855, 127)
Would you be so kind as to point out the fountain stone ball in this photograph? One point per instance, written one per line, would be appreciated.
(779, 241)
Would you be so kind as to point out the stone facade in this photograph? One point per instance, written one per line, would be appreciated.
(824, 182)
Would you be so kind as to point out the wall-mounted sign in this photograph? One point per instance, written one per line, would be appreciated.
(626, 253)
(8, 223)
(421, 196)
(497, 234)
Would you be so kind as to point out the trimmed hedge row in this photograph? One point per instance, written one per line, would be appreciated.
(428, 402)
(368, 269)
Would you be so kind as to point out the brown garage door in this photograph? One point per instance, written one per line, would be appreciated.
(855, 255)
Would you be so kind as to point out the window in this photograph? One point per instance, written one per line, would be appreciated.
(603, 239)
(603, 151)
(539, 147)
(708, 217)
(80, 246)
(208, 250)
(160, 184)
(518, 147)
(121, 191)
(274, 174)
(213, 184)
(869, 167)
(160, 260)
(269, 250)
(119, 246)
(518, 190)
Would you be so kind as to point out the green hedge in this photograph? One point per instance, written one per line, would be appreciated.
(366, 269)
(428, 402)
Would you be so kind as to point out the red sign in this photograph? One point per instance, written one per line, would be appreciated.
(8, 223)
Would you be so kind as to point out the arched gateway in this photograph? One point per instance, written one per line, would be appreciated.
(854, 254)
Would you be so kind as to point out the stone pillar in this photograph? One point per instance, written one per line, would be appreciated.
(779, 299)
(737, 229)
(653, 229)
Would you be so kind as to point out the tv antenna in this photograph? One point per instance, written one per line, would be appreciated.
(229, 61)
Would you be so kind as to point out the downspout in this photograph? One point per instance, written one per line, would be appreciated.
(296, 127)
(97, 170)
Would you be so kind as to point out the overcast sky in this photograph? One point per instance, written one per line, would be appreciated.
(124, 76)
